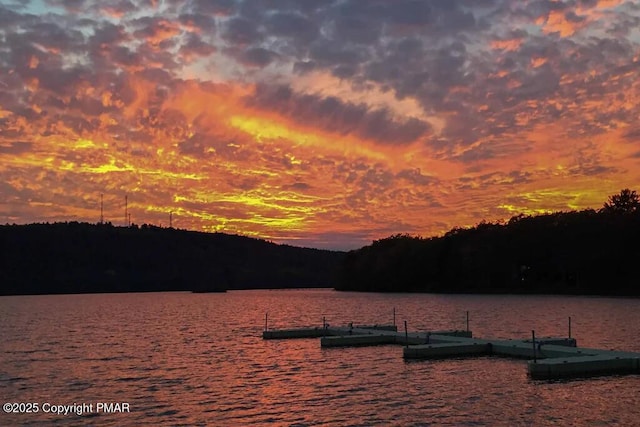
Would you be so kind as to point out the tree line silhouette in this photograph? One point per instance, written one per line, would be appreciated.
(74, 257)
(585, 252)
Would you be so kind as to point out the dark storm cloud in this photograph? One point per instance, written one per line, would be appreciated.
(331, 55)
(633, 135)
(241, 31)
(78, 124)
(625, 22)
(213, 7)
(62, 81)
(594, 170)
(298, 186)
(292, 25)
(162, 59)
(48, 36)
(195, 47)
(588, 160)
(257, 57)
(356, 30)
(106, 33)
(203, 23)
(124, 57)
(69, 5)
(10, 19)
(379, 126)
(514, 177)
(119, 8)
(333, 114)
(15, 147)
(194, 145)
(538, 84)
(153, 28)
(404, 14)
(536, 9)
(415, 176)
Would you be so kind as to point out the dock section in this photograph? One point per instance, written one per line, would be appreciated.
(603, 363)
(363, 337)
(317, 332)
(577, 362)
(550, 358)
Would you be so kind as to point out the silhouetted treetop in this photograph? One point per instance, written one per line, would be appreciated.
(625, 202)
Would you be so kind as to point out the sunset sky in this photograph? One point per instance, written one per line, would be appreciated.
(315, 122)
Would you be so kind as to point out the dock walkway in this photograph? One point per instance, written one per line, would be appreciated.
(550, 358)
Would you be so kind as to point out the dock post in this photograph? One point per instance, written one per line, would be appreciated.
(406, 334)
(467, 321)
(394, 316)
(266, 320)
(569, 327)
(533, 341)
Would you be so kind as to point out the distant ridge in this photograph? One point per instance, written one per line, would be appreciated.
(582, 253)
(73, 257)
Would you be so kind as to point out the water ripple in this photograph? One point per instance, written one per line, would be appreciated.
(183, 360)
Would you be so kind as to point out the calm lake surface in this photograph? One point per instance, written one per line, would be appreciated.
(199, 359)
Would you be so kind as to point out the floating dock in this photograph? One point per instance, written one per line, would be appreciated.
(274, 334)
(353, 336)
(602, 363)
(550, 358)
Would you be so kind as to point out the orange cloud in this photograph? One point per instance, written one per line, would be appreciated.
(415, 132)
(538, 62)
(508, 45)
(556, 22)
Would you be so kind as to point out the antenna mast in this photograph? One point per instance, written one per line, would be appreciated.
(170, 219)
(126, 215)
(101, 209)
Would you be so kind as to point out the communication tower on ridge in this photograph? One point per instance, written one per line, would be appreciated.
(101, 209)
(126, 214)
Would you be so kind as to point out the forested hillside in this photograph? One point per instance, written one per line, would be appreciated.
(79, 257)
(586, 252)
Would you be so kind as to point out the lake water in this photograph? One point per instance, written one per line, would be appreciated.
(199, 359)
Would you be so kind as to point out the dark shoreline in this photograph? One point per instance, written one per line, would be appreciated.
(571, 253)
(72, 258)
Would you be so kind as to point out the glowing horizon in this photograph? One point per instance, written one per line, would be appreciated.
(322, 124)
